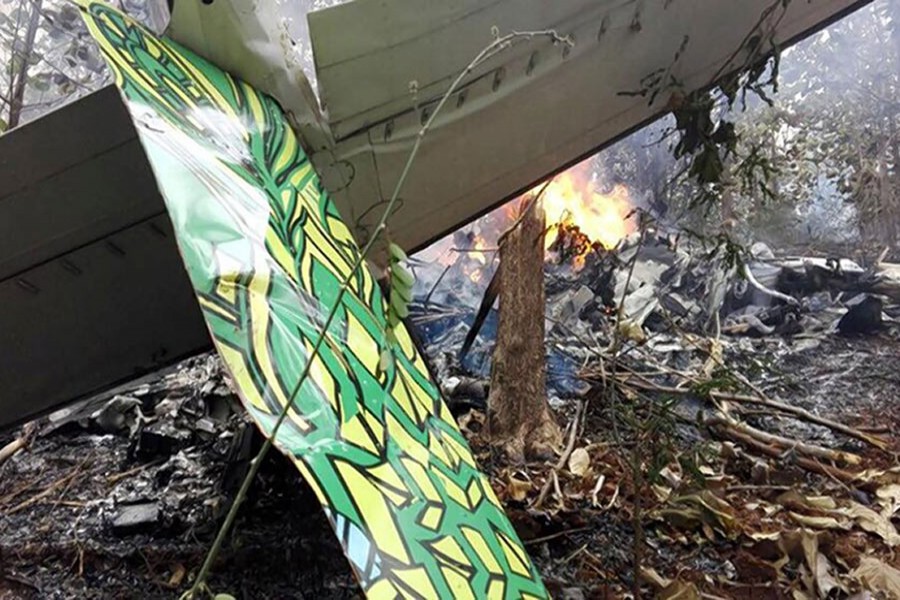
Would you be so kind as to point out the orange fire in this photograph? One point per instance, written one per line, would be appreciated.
(578, 217)
(477, 259)
(603, 218)
(478, 248)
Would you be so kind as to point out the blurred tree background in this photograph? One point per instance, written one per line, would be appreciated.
(830, 139)
(49, 57)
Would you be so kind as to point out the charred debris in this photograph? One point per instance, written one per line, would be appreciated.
(728, 427)
(120, 496)
(730, 417)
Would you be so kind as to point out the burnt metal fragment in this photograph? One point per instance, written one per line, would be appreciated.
(862, 318)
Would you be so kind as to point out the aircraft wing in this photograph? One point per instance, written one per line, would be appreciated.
(533, 110)
(92, 288)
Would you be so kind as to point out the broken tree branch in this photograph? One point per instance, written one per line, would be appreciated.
(752, 280)
(563, 458)
(21, 442)
(763, 399)
(11, 448)
(794, 411)
(63, 481)
(785, 443)
(846, 477)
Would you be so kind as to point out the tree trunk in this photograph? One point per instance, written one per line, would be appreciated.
(520, 419)
(20, 77)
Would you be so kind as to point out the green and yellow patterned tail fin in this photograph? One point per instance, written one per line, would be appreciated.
(267, 253)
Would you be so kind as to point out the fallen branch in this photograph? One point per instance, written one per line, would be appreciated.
(795, 411)
(49, 490)
(564, 457)
(786, 444)
(21, 489)
(847, 477)
(762, 399)
(11, 448)
(112, 479)
(553, 536)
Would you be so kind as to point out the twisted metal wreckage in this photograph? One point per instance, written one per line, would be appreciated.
(252, 189)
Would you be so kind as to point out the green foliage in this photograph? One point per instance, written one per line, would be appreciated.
(708, 140)
(710, 161)
(401, 283)
(756, 172)
(821, 165)
(721, 380)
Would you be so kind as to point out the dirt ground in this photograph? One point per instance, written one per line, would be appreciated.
(63, 499)
(736, 535)
(586, 547)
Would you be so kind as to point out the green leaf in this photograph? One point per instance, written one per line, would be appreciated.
(401, 284)
(404, 277)
(397, 253)
(403, 291)
(399, 308)
(40, 82)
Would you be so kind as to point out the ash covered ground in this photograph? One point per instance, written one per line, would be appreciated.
(681, 441)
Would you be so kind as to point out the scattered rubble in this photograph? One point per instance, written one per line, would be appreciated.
(651, 286)
(136, 518)
(120, 497)
(736, 436)
(733, 435)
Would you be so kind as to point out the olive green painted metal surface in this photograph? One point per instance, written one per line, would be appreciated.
(91, 284)
(522, 116)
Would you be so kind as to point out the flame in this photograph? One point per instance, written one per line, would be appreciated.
(603, 218)
(474, 259)
(478, 247)
(579, 219)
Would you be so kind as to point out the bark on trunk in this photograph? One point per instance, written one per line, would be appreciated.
(20, 77)
(520, 419)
